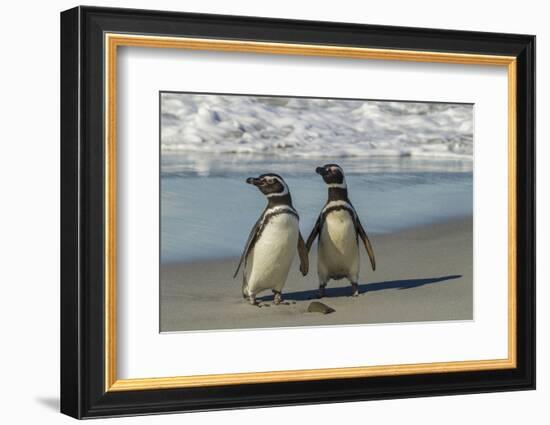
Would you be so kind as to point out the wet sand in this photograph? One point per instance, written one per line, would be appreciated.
(423, 274)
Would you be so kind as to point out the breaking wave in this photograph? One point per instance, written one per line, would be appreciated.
(314, 128)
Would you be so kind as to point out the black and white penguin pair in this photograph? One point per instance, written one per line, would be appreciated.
(271, 245)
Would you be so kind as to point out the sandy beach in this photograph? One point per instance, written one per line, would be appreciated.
(423, 274)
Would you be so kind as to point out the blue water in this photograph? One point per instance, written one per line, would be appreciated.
(207, 211)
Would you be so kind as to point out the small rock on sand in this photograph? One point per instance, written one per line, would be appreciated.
(317, 307)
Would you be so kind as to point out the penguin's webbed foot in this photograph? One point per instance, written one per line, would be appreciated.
(321, 291)
(277, 297)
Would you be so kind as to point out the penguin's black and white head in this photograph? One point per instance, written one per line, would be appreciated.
(271, 185)
(333, 175)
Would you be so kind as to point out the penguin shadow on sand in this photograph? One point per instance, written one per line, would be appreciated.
(344, 291)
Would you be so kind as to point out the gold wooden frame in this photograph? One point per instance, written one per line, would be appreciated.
(113, 41)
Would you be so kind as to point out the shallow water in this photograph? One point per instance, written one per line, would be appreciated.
(208, 210)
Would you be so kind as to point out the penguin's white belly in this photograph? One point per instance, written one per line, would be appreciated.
(269, 262)
(338, 249)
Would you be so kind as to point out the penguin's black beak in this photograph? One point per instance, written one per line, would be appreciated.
(254, 181)
(321, 171)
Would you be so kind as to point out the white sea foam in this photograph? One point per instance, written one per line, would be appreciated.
(314, 128)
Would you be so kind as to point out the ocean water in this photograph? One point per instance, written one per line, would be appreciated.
(308, 128)
(406, 164)
(210, 216)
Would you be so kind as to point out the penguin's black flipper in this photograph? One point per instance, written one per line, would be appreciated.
(249, 243)
(368, 246)
(314, 232)
(303, 253)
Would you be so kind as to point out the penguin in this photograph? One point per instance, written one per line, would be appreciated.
(272, 243)
(339, 229)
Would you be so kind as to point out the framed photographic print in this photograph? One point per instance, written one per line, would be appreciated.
(261, 212)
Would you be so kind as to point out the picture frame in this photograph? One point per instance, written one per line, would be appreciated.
(90, 40)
